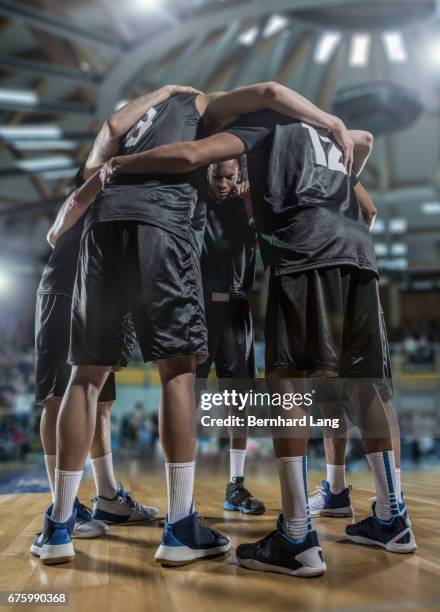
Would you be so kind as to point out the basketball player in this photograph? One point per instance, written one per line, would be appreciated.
(138, 255)
(112, 504)
(323, 282)
(332, 499)
(228, 269)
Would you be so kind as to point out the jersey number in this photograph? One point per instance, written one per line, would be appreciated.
(333, 161)
(139, 129)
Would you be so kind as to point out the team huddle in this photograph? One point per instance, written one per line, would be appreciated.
(157, 243)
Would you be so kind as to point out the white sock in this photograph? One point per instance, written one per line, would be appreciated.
(398, 486)
(336, 477)
(66, 489)
(180, 485)
(384, 472)
(293, 479)
(236, 463)
(104, 476)
(51, 463)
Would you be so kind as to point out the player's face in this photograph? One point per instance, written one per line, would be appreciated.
(223, 178)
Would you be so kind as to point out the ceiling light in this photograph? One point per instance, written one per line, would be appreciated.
(395, 46)
(41, 145)
(42, 164)
(398, 226)
(327, 43)
(18, 96)
(248, 37)
(17, 132)
(431, 208)
(381, 249)
(359, 50)
(398, 249)
(275, 24)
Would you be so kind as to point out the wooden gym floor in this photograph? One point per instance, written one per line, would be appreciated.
(118, 573)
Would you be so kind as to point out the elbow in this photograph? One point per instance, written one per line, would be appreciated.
(110, 128)
(271, 90)
(367, 140)
(190, 156)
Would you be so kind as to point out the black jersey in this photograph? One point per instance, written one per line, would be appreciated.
(228, 246)
(60, 270)
(168, 200)
(306, 212)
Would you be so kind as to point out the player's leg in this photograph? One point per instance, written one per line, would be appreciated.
(293, 548)
(333, 496)
(112, 504)
(185, 538)
(48, 429)
(168, 272)
(235, 367)
(366, 339)
(96, 338)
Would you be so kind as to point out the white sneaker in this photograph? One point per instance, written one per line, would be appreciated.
(326, 503)
(121, 509)
(85, 525)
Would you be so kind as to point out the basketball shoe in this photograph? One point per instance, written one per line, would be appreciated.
(326, 503)
(188, 540)
(54, 544)
(278, 553)
(395, 534)
(121, 509)
(239, 499)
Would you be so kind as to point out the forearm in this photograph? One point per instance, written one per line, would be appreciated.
(366, 204)
(74, 208)
(291, 103)
(181, 157)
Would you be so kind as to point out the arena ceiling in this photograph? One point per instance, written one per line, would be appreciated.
(65, 64)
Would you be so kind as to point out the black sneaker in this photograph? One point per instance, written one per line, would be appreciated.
(394, 535)
(239, 499)
(188, 540)
(278, 553)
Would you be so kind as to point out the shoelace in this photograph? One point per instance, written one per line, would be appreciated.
(131, 502)
(84, 513)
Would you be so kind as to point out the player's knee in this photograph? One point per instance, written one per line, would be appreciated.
(177, 367)
(90, 378)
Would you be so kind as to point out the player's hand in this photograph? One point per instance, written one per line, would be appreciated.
(175, 90)
(109, 170)
(242, 189)
(345, 141)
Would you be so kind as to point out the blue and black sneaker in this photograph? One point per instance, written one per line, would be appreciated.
(394, 535)
(239, 499)
(54, 545)
(188, 540)
(326, 503)
(278, 553)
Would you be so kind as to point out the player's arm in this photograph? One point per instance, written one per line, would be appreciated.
(73, 208)
(363, 145)
(108, 140)
(220, 108)
(369, 211)
(177, 157)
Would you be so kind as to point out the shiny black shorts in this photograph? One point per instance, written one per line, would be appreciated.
(231, 344)
(52, 339)
(328, 319)
(136, 271)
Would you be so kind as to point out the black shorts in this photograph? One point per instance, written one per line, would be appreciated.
(231, 344)
(328, 319)
(52, 339)
(130, 267)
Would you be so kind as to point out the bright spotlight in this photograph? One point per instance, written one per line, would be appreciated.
(434, 53)
(360, 50)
